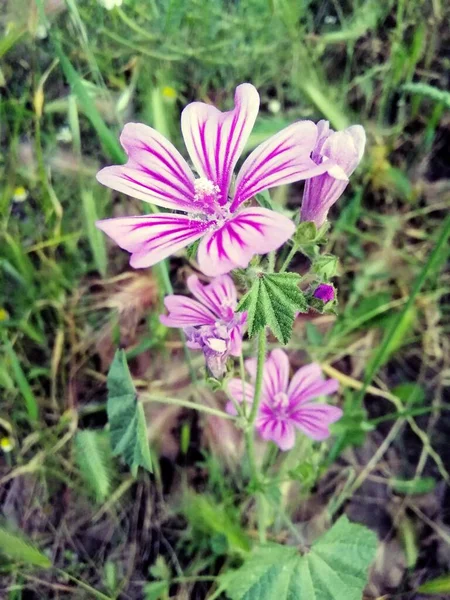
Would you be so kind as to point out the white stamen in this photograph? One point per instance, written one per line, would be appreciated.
(217, 345)
(205, 189)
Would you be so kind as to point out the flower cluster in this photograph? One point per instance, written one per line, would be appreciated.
(286, 406)
(208, 207)
(212, 208)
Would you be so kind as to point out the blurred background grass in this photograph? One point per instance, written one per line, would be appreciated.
(71, 74)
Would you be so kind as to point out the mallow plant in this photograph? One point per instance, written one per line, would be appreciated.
(240, 297)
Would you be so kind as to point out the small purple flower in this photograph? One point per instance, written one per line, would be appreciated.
(324, 292)
(207, 205)
(286, 406)
(344, 149)
(209, 322)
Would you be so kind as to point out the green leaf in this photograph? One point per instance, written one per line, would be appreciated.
(212, 520)
(335, 568)
(94, 461)
(436, 587)
(17, 548)
(409, 392)
(126, 417)
(273, 300)
(325, 266)
(31, 402)
(95, 236)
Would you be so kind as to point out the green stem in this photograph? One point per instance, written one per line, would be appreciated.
(92, 591)
(259, 376)
(255, 476)
(187, 404)
(289, 257)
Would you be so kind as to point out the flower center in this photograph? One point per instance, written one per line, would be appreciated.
(281, 401)
(206, 191)
(207, 196)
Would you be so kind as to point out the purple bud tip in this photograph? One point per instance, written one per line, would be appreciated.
(324, 292)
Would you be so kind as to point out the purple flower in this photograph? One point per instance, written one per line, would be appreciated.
(209, 322)
(344, 149)
(157, 173)
(324, 292)
(286, 406)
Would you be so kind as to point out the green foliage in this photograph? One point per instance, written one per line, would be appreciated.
(107, 138)
(325, 266)
(31, 403)
(412, 487)
(95, 236)
(93, 457)
(273, 301)
(126, 417)
(436, 587)
(218, 522)
(335, 568)
(16, 547)
(428, 91)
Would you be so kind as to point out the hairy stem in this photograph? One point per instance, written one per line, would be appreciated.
(289, 257)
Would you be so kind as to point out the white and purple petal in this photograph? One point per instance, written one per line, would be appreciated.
(155, 172)
(279, 431)
(219, 296)
(276, 373)
(252, 231)
(184, 311)
(314, 420)
(151, 238)
(240, 391)
(236, 334)
(304, 378)
(344, 149)
(282, 159)
(216, 139)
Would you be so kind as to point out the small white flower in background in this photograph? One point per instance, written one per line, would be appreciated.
(41, 31)
(274, 106)
(20, 194)
(64, 135)
(330, 20)
(110, 4)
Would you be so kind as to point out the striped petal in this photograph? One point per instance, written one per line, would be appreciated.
(282, 159)
(343, 148)
(276, 373)
(151, 238)
(155, 172)
(240, 391)
(185, 312)
(308, 383)
(216, 139)
(304, 378)
(315, 419)
(280, 431)
(219, 296)
(252, 231)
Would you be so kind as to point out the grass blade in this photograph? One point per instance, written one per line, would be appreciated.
(17, 548)
(107, 138)
(95, 236)
(438, 255)
(22, 383)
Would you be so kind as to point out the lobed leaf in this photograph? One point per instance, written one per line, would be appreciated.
(335, 568)
(126, 417)
(273, 301)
